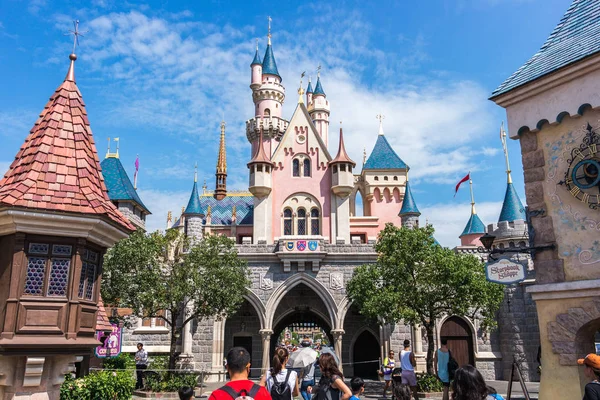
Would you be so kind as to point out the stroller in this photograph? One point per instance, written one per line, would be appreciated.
(396, 381)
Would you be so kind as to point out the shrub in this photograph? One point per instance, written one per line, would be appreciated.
(100, 385)
(429, 383)
(122, 361)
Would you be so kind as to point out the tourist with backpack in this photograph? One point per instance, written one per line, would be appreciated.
(239, 386)
(468, 384)
(442, 357)
(331, 386)
(281, 383)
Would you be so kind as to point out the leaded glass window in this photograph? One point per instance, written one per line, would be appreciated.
(287, 221)
(88, 274)
(315, 226)
(59, 276)
(296, 167)
(38, 248)
(36, 272)
(306, 167)
(301, 221)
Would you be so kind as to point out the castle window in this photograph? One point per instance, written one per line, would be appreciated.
(301, 221)
(287, 221)
(267, 169)
(343, 168)
(376, 178)
(335, 169)
(395, 178)
(295, 167)
(306, 165)
(259, 168)
(267, 112)
(385, 178)
(315, 227)
(522, 244)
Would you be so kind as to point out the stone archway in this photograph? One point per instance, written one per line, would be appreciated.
(365, 354)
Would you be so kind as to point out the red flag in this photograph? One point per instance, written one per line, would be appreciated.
(466, 178)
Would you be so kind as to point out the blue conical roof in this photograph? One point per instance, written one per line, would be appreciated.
(408, 205)
(257, 59)
(117, 182)
(309, 89)
(319, 88)
(269, 65)
(384, 157)
(194, 207)
(512, 208)
(474, 225)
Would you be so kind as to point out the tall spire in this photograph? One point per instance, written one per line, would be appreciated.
(318, 87)
(409, 206)
(474, 224)
(221, 175)
(257, 60)
(380, 117)
(342, 156)
(473, 212)
(193, 207)
(269, 34)
(269, 66)
(505, 148)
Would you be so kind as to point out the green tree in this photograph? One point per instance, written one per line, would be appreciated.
(418, 281)
(151, 273)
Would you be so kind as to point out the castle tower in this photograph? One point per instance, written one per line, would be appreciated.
(193, 213)
(342, 184)
(318, 108)
(409, 213)
(56, 223)
(474, 228)
(221, 174)
(261, 169)
(309, 92)
(268, 95)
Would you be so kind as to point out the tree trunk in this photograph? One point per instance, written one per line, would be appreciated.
(430, 348)
(173, 346)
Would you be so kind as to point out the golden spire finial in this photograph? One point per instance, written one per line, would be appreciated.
(182, 210)
(222, 158)
(269, 34)
(169, 216)
(505, 148)
(204, 187)
(300, 89)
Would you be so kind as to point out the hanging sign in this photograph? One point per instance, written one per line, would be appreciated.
(112, 342)
(504, 271)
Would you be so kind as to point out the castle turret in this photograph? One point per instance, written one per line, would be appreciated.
(342, 185)
(309, 92)
(256, 68)
(221, 174)
(409, 213)
(261, 169)
(318, 109)
(474, 228)
(193, 213)
(512, 208)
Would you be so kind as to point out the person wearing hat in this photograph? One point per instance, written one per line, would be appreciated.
(592, 371)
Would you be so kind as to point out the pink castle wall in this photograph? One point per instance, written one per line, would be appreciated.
(471, 240)
(386, 206)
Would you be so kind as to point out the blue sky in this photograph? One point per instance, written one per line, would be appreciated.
(161, 75)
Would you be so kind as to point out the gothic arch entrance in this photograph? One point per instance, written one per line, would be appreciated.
(460, 340)
(243, 329)
(366, 355)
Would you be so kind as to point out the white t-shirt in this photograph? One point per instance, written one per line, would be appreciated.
(280, 377)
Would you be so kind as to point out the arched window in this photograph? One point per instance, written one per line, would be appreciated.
(287, 221)
(306, 167)
(301, 222)
(267, 112)
(315, 227)
(385, 178)
(395, 178)
(295, 167)
(376, 178)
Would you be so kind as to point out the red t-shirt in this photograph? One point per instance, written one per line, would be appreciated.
(238, 386)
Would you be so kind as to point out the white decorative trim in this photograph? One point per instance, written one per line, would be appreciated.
(565, 290)
(93, 228)
(34, 368)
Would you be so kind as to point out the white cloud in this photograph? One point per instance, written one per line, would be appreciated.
(490, 151)
(160, 203)
(35, 6)
(449, 219)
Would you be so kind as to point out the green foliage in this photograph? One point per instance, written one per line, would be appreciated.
(122, 361)
(165, 382)
(151, 272)
(418, 281)
(100, 385)
(429, 383)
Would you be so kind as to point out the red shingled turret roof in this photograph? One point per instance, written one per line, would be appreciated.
(342, 156)
(102, 321)
(57, 168)
(260, 157)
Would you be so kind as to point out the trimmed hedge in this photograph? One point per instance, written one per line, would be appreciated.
(100, 385)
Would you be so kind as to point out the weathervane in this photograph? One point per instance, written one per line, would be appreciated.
(319, 71)
(300, 90)
(76, 33)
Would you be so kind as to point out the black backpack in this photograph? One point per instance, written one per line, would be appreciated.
(242, 394)
(325, 391)
(281, 390)
(452, 365)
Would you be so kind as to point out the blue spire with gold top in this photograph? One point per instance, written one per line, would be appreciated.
(309, 89)
(269, 66)
(257, 60)
(193, 206)
(512, 208)
(383, 156)
(319, 88)
(409, 206)
(474, 225)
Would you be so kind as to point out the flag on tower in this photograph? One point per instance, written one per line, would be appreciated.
(137, 168)
(466, 178)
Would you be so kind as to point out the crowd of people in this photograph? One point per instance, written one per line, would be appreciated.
(283, 383)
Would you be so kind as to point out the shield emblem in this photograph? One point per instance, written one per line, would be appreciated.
(289, 246)
(301, 245)
(312, 245)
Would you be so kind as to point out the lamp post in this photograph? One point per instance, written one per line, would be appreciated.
(488, 241)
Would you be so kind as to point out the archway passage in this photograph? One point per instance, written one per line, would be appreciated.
(366, 355)
(301, 317)
(242, 329)
(460, 340)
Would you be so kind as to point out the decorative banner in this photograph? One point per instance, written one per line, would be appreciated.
(301, 245)
(112, 344)
(504, 271)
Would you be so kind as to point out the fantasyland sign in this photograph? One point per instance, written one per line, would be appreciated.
(504, 271)
(112, 342)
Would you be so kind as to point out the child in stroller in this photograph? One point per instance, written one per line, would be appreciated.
(399, 391)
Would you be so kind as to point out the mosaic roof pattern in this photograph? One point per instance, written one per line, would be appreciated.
(474, 225)
(57, 168)
(117, 182)
(576, 36)
(512, 208)
(221, 210)
(384, 157)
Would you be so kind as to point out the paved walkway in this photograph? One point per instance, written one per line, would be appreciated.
(373, 390)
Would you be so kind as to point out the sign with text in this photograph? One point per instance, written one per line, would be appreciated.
(504, 271)
(301, 245)
(112, 342)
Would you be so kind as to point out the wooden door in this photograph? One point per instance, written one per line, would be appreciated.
(460, 340)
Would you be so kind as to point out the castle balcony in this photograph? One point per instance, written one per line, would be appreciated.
(273, 127)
